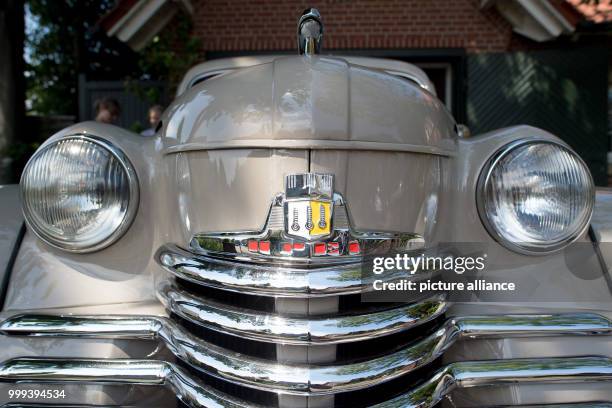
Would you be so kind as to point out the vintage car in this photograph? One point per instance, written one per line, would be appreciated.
(221, 262)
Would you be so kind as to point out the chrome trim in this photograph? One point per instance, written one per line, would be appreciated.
(463, 131)
(233, 246)
(503, 372)
(302, 379)
(207, 75)
(502, 326)
(292, 330)
(133, 201)
(99, 326)
(276, 281)
(278, 230)
(309, 185)
(308, 143)
(190, 391)
(118, 371)
(414, 79)
(310, 32)
(483, 179)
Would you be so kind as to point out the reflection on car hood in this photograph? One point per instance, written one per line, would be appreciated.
(309, 102)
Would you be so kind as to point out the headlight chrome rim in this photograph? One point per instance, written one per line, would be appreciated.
(133, 199)
(527, 249)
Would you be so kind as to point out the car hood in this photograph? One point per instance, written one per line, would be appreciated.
(309, 102)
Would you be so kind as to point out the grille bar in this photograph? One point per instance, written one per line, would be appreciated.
(304, 379)
(118, 371)
(502, 372)
(287, 330)
(269, 280)
(194, 394)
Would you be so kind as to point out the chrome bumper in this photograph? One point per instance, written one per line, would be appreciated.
(194, 309)
(271, 280)
(302, 379)
(193, 393)
(111, 371)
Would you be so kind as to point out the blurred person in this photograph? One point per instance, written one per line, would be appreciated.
(155, 113)
(107, 110)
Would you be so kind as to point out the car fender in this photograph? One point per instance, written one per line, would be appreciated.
(11, 232)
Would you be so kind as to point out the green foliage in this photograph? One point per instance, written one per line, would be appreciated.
(170, 54)
(137, 127)
(62, 41)
(151, 95)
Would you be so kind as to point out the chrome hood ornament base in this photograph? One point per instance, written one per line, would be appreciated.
(307, 223)
(310, 32)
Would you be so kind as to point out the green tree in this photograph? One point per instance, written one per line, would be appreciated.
(63, 41)
(168, 57)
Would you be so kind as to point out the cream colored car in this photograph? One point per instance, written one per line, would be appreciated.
(224, 261)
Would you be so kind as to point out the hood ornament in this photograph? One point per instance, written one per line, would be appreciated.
(307, 223)
(310, 32)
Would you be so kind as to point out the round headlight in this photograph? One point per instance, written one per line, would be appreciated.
(79, 193)
(535, 197)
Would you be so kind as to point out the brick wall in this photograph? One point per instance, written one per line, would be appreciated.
(270, 25)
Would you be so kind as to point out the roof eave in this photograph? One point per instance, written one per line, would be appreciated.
(136, 22)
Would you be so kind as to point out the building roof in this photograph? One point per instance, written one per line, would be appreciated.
(136, 22)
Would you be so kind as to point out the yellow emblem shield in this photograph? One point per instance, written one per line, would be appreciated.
(308, 205)
(309, 218)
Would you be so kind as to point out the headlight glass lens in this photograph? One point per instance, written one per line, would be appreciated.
(79, 193)
(537, 196)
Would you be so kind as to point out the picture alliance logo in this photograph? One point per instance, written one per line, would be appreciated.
(414, 264)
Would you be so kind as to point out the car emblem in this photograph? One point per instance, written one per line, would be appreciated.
(308, 222)
(308, 205)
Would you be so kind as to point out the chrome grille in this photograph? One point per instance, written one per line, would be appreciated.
(331, 376)
(301, 331)
(272, 280)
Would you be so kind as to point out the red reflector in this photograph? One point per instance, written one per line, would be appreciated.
(299, 246)
(333, 248)
(354, 248)
(252, 245)
(320, 249)
(286, 248)
(264, 247)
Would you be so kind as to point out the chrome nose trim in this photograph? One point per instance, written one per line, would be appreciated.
(303, 379)
(118, 371)
(499, 372)
(279, 329)
(310, 32)
(277, 281)
(427, 395)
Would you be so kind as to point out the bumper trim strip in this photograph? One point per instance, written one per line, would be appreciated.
(118, 371)
(427, 395)
(275, 281)
(502, 372)
(302, 379)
